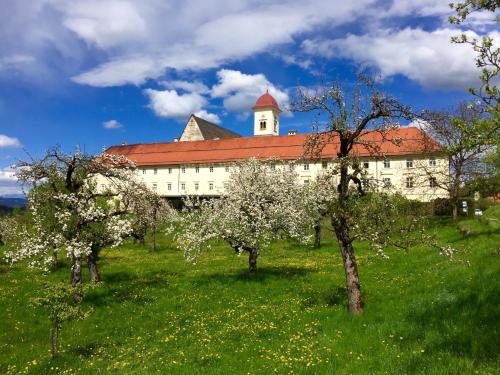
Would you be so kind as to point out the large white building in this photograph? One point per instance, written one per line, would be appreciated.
(200, 161)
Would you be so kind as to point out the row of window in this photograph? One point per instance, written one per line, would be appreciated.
(183, 186)
(410, 182)
(324, 165)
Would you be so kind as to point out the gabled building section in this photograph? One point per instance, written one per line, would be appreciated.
(198, 129)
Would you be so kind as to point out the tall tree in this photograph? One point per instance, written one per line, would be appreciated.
(348, 117)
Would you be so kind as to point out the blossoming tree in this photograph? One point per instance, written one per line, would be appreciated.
(69, 212)
(261, 200)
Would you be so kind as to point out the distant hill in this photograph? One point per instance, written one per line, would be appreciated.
(13, 202)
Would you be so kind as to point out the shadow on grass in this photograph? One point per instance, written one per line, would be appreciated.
(119, 287)
(263, 274)
(335, 296)
(465, 325)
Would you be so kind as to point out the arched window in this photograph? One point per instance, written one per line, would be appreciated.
(262, 125)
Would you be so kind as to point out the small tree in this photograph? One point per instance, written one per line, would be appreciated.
(63, 304)
(260, 200)
(348, 117)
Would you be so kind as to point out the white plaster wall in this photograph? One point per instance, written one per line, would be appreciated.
(268, 115)
(159, 178)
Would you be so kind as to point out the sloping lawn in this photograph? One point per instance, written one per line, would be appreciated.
(155, 313)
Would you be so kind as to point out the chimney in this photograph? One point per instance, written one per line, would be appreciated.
(176, 139)
(124, 143)
(292, 132)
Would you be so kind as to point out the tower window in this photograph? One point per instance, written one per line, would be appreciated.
(262, 125)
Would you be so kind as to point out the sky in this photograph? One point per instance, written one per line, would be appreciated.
(95, 73)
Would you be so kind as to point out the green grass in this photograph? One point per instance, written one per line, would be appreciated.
(155, 313)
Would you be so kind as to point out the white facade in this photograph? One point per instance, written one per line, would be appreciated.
(395, 174)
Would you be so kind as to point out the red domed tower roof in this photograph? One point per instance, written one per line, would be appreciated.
(265, 101)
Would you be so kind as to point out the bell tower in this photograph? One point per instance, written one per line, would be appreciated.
(266, 116)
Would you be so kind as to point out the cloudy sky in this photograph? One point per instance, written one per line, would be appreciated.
(99, 72)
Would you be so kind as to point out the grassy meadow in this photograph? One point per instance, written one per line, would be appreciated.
(156, 313)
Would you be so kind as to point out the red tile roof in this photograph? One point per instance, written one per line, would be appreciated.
(288, 147)
(265, 101)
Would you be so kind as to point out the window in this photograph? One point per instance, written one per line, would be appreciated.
(366, 165)
(143, 171)
(155, 186)
(306, 182)
(262, 125)
(387, 182)
(183, 169)
(227, 169)
(324, 164)
(387, 164)
(433, 182)
(169, 170)
(273, 166)
(155, 171)
(183, 186)
(409, 163)
(306, 166)
(432, 162)
(409, 182)
(211, 169)
(197, 169)
(210, 186)
(169, 186)
(196, 185)
(291, 166)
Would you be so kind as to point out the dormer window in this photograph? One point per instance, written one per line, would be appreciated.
(262, 125)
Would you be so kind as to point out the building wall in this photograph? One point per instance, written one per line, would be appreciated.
(268, 115)
(208, 179)
(191, 132)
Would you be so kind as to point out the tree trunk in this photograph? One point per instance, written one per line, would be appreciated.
(351, 271)
(93, 270)
(76, 272)
(455, 210)
(153, 234)
(252, 261)
(52, 342)
(317, 234)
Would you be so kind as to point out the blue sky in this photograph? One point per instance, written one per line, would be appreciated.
(95, 73)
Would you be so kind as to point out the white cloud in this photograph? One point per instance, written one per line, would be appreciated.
(6, 141)
(170, 104)
(106, 24)
(199, 34)
(427, 57)
(8, 182)
(112, 124)
(240, 91)
(212, 117)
